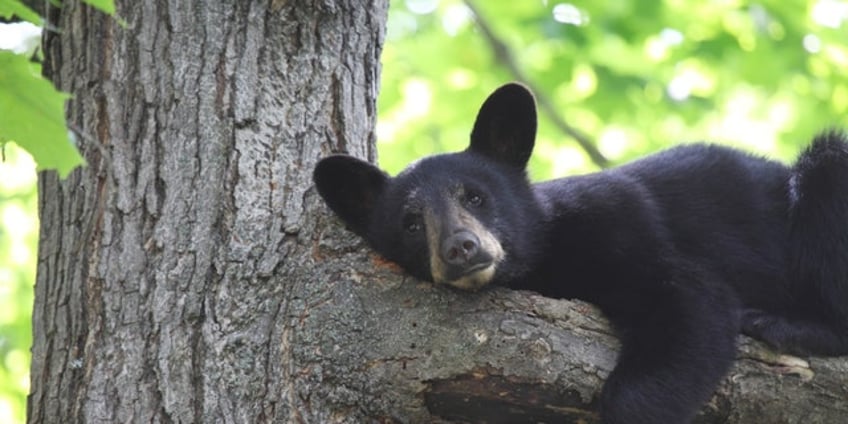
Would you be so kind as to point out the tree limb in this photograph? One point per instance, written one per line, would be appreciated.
(438, 355)
(504, 55)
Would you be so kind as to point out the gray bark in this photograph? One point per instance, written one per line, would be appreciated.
(176, 271)
(191, 274)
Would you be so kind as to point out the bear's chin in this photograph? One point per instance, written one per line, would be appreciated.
(474, 281)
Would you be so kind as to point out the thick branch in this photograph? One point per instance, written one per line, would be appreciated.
(504, 55)
(504, 356)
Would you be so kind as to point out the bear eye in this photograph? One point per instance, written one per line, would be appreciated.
(472, 198)
(413, 227)
(412, 223)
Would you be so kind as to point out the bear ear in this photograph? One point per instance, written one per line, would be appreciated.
(350, 187)
(505, 129)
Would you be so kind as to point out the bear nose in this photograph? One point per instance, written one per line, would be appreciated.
(459, 248)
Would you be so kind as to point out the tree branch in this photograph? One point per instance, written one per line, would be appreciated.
(504, 55)
(439, 355)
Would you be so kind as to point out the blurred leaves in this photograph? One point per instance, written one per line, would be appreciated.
(634, 76)
(10, 8)
(105, 6)
(18, 237)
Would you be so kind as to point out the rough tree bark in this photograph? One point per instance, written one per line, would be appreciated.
(191, 274)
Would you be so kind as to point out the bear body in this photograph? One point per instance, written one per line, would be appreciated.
(682, 250)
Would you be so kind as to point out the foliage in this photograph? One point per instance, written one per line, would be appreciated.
(18, 237)
(34, 114)
(32, 110)
(634, 76)
(11, 8)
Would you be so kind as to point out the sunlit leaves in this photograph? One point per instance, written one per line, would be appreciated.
(31, 110)
(18, 235)
(33, 115)
(10, 8)
(105, 6)
(637, 76)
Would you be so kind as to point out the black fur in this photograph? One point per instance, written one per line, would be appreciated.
(681, 249)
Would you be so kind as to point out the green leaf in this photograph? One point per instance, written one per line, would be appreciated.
(9, 8)
(32, 115)
(105, 6)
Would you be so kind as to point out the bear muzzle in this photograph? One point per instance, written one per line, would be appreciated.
(467, 260)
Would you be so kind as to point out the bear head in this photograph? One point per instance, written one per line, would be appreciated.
(466, 219)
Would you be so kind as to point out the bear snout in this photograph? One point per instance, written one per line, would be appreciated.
(462, 254)
(458, 249)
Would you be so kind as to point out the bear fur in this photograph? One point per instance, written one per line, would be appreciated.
(681, 250)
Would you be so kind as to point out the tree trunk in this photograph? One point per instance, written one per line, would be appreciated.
(191, 274)
(178, 274)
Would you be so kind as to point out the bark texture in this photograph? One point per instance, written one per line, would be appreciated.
(176, 272)
(191, 274)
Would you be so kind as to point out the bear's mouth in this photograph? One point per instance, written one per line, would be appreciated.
(474, 277)
(476, 268)
(453, 273)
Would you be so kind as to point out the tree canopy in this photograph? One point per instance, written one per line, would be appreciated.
(631, 77)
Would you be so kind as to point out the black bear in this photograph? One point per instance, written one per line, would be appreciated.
(682, 250)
